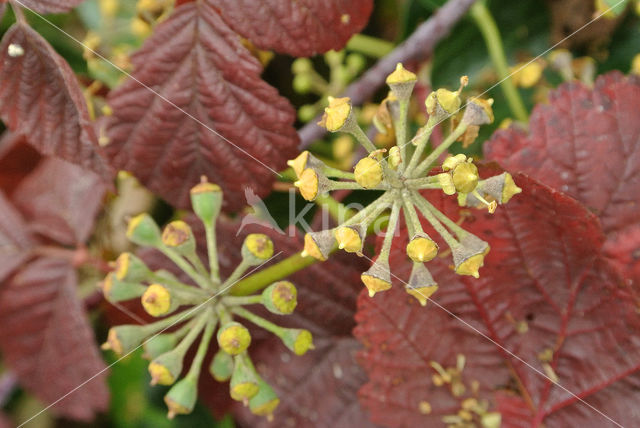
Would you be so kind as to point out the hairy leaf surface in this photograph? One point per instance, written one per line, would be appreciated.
(196, 106)
(300, 28)
(40, 99)
(586, 143)
(46, 339)
(60, 201)
(545, 294)
(49, 6)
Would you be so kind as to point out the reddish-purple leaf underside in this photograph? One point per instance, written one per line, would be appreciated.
(300, 28)
(586, 143)
(196, 105)
(15, 241)
(545, 294)
(46, 339)
(40, 99)
(49, 6)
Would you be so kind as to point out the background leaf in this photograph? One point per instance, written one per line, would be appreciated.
(195, 62)
(545, 286)
(299, 28)
(585, 143)
(40, 99)
(50, 6)
(15, 241)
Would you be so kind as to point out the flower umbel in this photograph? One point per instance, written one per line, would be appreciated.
(198, 309)
(402, 175)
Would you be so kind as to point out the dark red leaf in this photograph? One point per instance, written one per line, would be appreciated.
(5, 422)
(196, 106)
(46, 339)
(15, 242)
(40, 98)
(545, 285)
(49, 6)
(60, 201)
(299, 28)
(17, 160)
(585, 143)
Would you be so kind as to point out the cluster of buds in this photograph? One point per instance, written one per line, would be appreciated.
(195, 310)
(401, 175)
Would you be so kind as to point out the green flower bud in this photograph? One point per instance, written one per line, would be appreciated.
(159, 344)
(115, 290)
(206, 201)
(377, 278)
(337, 114)
(143, 230)
(469, 256)
(179, 236)
(307, 112)
(421, 284)
(257, 248)
(157, 300)
(182, 397)
(233, 338)
(302, 83)
(297, 340)
(301, 65)
(311, 183)
(280, 298)
(130, 268)
(350, 238)
(446, 181)
(221, 366)
(401, 82)
(452, 161)
(318, 244)
(165, 368)
(244, 380)
(465, 177)
(264, 403)
(368, 173)
(355, 63)
(422, 248)
(124, 338)
(395, 158)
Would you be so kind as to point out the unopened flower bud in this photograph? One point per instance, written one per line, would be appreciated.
(182, 397)
(452, 161)
(491, 420)
(157, 300)
(221, 367)
(442, 103)
(377, 278)
(143, 230)
(280, 298)
(178, 235)
(318, 244)
(206, 201)
(244, 380)
(165, 368)
(302, 83)
(421, 284)
(159, 344)
(446, 182)
(421, 248)
(234, 338)
(115, 290)
(478, 112)
(401, 82)
(130, 268)
(465, 177)
(350, 238)
(337, 114)
(469, 256)
(368, 173)
(500, 187)
(395, 158)
(303, 161)
(264, 403)
(124, 338)
(311, 183)
(257, 248)
(297, 340)
(301, 65)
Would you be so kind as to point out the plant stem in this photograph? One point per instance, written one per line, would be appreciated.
(493, 40)
(426, 212)
(391, 230)
(421, 143)
(433, 156)
(336, 210)
(400, 125)
(203, 347)
(242, 300)
(186, 267)
(212, 250)
(337, 173)
(370, 46)
(259, 321)
(237, 273)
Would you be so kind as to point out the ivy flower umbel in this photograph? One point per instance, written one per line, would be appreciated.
(193, 313)
(400, 176)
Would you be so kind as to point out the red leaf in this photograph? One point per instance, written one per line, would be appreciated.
(49, 6)
(299, 28)
(15, 242)
(46, 339)
(544, 286)
(585, 143)
(60, 201)
(196, 106)
(40, 98)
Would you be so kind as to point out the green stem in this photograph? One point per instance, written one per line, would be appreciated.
(433, 156)
(237, 273)
(337, 173)
(391, 230)
(203, 347)
(370, 46)
(242, 300)
(336, 210)
(452, 225)
(174, 285)
(212, 250)
(186, 267)
(259, 321)
(426, 212)
(186, 343)
(421, 144)
(410, 216)
(493, 40)
(400, 125)
(344, 185)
